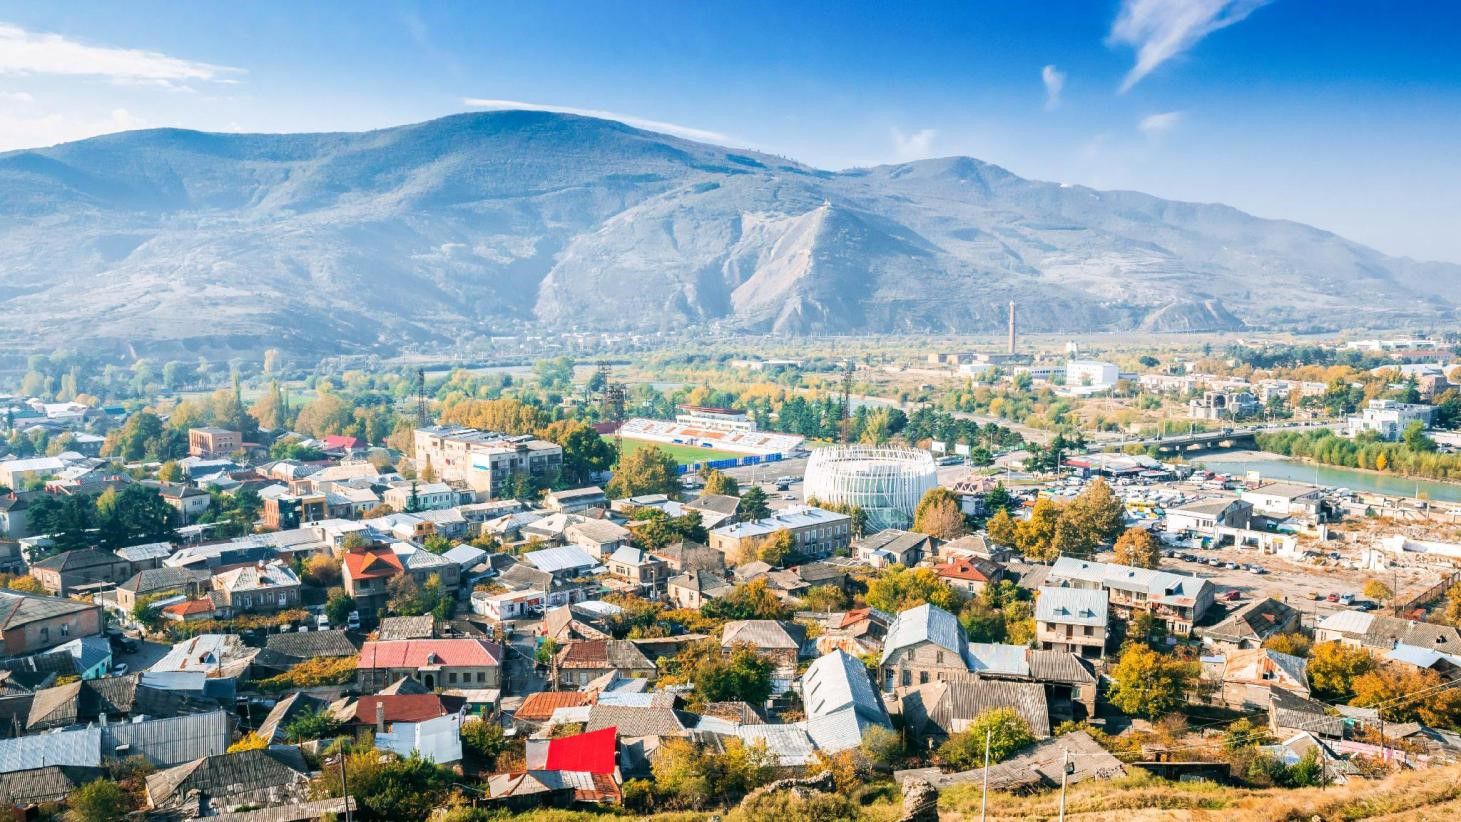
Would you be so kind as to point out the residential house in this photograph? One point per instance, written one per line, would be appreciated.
(27, 790)
(20, 474)
(597, 537)
(1388, 419)
(693, 589)
(422, 565)
(30, 623)
(159, 583)
(892, 546)
(162, 742)
(1286, 499)
(93, 656)
(935, 711)
(284, 651)
(1252, 624)
(264, 587)
(1069, 680)
(85, 569)
(715, 509)
(577, 663)
(286, 711)
(1176, 600)
(188, 500)
(14, 519)
(1206, 515)
(227, 782)
(641, 572)
(426, 724)
(366, 574)
(858, 632)
(1381, 634)
(575, 500)
(538, 708)
(213, 442)
(114, 697)
(289, 511)
(924, 644)
(436, 663)
(779, 642)
(816, 533)
(407, 627)
(146, 557)
(446, 522)
(969, 574)
(564, 562)
(1069, 758)
(974, 546)
(681, 557)
(1246, 679)
(420, 496)
(1071, 620)
(841, 702)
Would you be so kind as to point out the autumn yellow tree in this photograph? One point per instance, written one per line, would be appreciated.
(1138, 548)
(940, 517)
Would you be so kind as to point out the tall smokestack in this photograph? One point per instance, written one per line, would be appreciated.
(1012, 328)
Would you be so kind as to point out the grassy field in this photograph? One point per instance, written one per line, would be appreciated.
(684, 454)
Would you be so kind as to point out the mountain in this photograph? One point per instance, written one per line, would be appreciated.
(166, 241)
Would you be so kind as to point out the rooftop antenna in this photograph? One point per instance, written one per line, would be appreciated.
(422, 418)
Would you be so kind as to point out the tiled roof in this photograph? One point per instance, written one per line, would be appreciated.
(268, 774)
(538, 707)
(1255, 621)
(400, 708)
(372, 564)
(419, 653)
(633, 722)
(406, 627)
(973, 570)
(79, 560)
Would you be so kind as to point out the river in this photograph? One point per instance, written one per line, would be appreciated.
(1278, 467)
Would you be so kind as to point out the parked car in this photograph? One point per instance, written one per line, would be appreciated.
(1231, 595)
(119, 669)
(322, 623)
(1231, 566)
(1367, 605)
(1332, 597)
(1346, 599)
(352, 622)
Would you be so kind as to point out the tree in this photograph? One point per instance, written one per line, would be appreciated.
(484, 739)
(1099, 509)
(249, 742)
(25, 584)
(546, 651)
(405, 596)
(1138, 548)
(753, 504)
(1002, 528)
(1146, 683)
(322, 571)
(1294, 644)
(1378, 591)
(1036, 536)
(170, 472)
(899, 589)
(585, 452)
(101, 800)
(941, 519)
(339, 606)
(744, 675)
(719, 482)
(1333, 668)
(1246, 734)
(882, 747)
(1007, 733)
(751, 600)
(826, 598)
(998, 500)
(646, 470)
(776, 548)
(311, 725)
(1416, 440)
(1386, 687)
(409, 788)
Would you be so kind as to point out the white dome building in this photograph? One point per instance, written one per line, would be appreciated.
(884, 481)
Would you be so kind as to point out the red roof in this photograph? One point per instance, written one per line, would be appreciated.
(422, 653)
(399, 708)
(593, 752)
(334, 441)
(376, 564)
(539, 707)
(959, 569)
(190, 607)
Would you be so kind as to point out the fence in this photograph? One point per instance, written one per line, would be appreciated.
(1432, 593)
(749, 459)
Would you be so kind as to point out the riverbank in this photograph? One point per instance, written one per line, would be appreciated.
(1274, 466)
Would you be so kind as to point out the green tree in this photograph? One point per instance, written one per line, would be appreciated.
(744, 675)
(1138, 548)
(100, 800)
(754, 505)
(338, 607)
(646, 470)
(585, 452)
(1245, 733)
(899, 589)
(1007, 733)
(546, 650)
(1146, 683)
(311, 725)
(751, 600)
(484, 739)
(776, 548)
(824, 598)
(882, 747)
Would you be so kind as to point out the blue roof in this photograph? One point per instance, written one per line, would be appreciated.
(999, 658)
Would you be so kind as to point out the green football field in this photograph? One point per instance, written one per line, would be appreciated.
(683, 454)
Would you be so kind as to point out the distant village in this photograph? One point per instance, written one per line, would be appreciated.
(693, 605)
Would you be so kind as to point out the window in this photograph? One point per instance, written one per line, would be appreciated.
(1089, 631)
(481, 676)
(66, 630)
(45, 634)
(923, 677)
(907, 677)
(939, 657)
(451, 677)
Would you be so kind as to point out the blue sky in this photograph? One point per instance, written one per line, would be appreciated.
(1342, 114)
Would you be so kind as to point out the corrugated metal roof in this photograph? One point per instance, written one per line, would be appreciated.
(167, 742)
(561, 558)
(1071, 606)
(997, 658)
(839, 680)
(950, 706)
(1347, 622)
(927, 622)
(790, 744)
(81, 747)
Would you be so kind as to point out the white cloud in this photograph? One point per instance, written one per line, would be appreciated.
(21, 131)
(687, 132)
(1162, 29)
(16, 97)
(915, 146)
(1054, 80)
(28, 52)
(1155, 125)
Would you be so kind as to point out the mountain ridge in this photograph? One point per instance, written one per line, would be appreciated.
(431, 233)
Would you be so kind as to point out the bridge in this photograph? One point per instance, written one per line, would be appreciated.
(1184, 443)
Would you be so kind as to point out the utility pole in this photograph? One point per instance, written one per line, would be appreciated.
(847, 401)
(345, 788)
(984, 796)
(1064, 775)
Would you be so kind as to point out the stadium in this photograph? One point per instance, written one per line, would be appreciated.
(886, 482)
(719, 431)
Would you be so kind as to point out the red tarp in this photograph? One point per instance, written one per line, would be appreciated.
(593, 752)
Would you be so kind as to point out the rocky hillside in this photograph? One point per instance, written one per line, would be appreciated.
(169, 240)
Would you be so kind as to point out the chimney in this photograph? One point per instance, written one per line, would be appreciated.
(1011, 346)
(380, 717)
